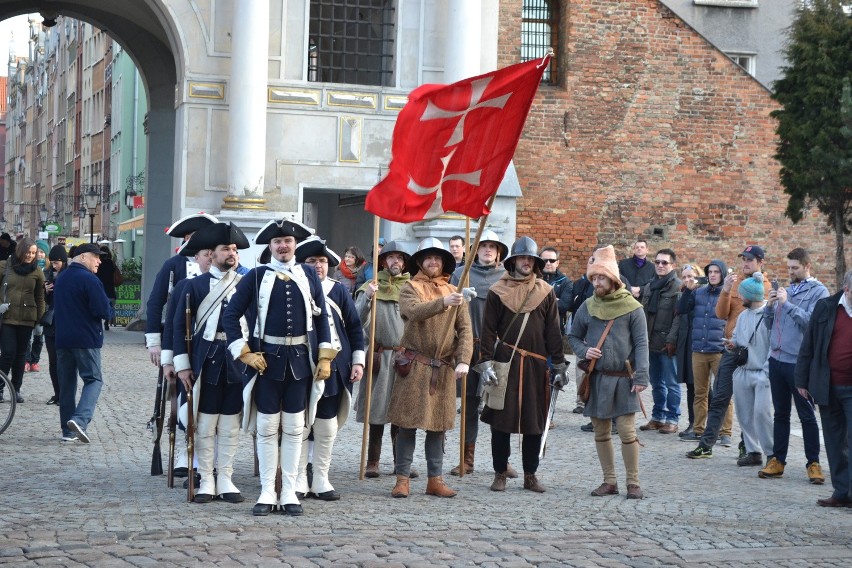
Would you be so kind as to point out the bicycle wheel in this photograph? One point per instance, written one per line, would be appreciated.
(7, 408)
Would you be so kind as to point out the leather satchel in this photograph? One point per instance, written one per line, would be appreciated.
(584, 390)
(494, 396)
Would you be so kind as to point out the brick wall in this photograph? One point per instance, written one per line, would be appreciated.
(652, 131)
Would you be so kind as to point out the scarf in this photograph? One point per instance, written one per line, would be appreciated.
(280, 266)
(429, 289)
(22, 269)
(346, 271)
(613, 305)
(657, 286)
(512, 290)
(640, 262)
(389, 286)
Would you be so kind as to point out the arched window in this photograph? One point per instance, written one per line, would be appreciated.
(352, 41)
(539, 32)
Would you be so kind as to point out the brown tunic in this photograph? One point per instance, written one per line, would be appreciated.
(426, 326)
(541, 336)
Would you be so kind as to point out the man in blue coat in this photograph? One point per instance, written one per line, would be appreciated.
(347, 368)
(80, 305)
(217, 387)
(288, 349)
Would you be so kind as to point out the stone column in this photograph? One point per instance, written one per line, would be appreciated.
(247, 120)
(464, 40)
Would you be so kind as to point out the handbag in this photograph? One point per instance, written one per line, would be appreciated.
(584, 389)
(741, 351)
(495, 395)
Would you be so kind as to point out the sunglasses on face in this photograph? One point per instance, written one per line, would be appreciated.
(550, 260)
(662, 262)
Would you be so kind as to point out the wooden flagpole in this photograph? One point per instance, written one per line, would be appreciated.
(370, 351)
(462, 425)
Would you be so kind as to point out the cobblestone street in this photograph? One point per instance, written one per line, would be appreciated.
(71, 504)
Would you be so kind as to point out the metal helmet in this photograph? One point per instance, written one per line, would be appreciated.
(524, 246)
(489, 236)
(431, 245)
(393, 246)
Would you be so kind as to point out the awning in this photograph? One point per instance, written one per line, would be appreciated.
(133, 223)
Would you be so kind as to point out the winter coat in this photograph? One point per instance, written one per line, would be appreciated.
(708, 330)
(788, 321)
(81, 304)
(683, 355)
(626, 341)
(663, 327)
(426, 327)
(637, 276)
(106, 274)
(812, 370)
(541, 336)
(563, 290)
(23, 292)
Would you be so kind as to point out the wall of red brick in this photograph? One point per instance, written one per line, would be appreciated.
(650, 128)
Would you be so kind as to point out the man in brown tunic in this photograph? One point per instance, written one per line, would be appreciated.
(437, 345)
(521, 326)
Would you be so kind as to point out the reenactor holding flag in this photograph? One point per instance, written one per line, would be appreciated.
(286, 358)
(347, 368)
(209, 371)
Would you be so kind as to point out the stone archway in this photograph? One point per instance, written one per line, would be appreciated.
(148, 32)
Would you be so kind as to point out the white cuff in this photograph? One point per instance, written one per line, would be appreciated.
(359, 357)
(182, 363)
(325, 345)
(152, 340)
(167, 356)
(236, 348)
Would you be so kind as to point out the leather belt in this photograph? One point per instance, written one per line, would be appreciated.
(434, 363)
(524, 353)
(287, 340)
(220, 336)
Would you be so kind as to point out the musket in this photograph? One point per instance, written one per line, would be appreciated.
(172, 392)
(155, 425)
(638, 394)
(554, 392)
(190, 419)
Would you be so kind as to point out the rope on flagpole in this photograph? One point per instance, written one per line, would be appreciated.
(370, 351)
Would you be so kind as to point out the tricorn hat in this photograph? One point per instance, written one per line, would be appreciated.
(489, 236)
(315, 246)
(393, 246)
(214, 235)
(189, 224)
(524, 246)
(282, 228)
(431, 245)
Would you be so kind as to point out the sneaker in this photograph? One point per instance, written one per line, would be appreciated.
(69, 438)
(689, 437)
(35, 368)
(724, 441)
(81, 434)
(774, 468)
(815, 475)
(26, 367)
(578, 409)
(751, 458)
(700, 452)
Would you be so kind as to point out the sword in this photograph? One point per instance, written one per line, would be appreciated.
(554, 392)
(638, 394)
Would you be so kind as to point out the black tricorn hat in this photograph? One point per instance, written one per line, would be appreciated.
(214, 235)
(282, 228)
(189, 224)
(315, 246)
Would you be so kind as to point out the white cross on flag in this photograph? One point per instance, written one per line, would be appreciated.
(453, 143)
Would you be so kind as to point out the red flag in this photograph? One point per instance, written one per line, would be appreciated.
(453, 143)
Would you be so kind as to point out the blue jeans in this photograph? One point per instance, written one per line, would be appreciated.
(665, 388)
(836, 421)
(783, 391)
(70, 362)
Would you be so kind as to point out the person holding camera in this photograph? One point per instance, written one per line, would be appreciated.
(751, 377)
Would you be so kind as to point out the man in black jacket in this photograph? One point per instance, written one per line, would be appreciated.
(824, 375)
(637, 269)
(562, 285)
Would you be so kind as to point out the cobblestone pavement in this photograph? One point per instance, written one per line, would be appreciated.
(71, 504)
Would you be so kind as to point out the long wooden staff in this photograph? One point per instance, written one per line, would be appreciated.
(462, 422)
(370, 351)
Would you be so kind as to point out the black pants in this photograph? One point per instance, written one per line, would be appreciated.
(50, 342)
(14, 344)
(501, 450)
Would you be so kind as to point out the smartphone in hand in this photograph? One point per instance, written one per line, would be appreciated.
(775, 285)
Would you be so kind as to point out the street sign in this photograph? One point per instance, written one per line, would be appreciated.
(53, 228)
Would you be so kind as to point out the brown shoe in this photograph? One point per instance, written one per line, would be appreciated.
(511, 472)
(401, 488)
(605, 489)
(372, 469)
(651, 425)
(469, 451)
(634, 492)
(667, 429)
(531, 483)
(499, 483)
(436, 486)
(834, 502)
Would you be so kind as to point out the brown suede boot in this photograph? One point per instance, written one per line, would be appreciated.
(372, 469)
(531, 483)
(511, 472)
(401, 488)
(499, 483)
(374, 450)
(469, 450)
(436, 486)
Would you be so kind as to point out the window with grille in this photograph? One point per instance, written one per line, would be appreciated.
(539, 26)
(351, 41)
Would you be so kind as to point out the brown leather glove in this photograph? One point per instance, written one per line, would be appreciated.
(253, 360)
(671, 349)
(323, 370)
